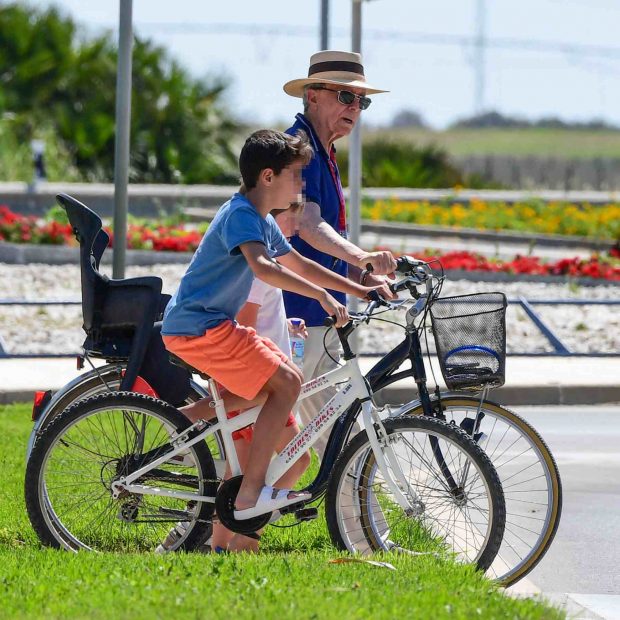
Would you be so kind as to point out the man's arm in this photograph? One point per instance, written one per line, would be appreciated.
(318, 274)
(279, 276)
(314, 230)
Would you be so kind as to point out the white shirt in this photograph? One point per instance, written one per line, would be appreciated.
(271, 321)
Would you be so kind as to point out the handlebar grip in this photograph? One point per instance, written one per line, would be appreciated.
(403, 265)
(329, 321)
(369, 267)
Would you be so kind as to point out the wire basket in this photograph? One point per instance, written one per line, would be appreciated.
(470, 337)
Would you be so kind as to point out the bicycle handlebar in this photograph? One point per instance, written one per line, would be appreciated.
(417, 272)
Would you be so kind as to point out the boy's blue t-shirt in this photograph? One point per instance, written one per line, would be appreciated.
(218, 279)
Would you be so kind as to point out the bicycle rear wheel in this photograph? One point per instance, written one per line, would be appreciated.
(96, 441)
(529, 475)
(466, 518)
(107, 379)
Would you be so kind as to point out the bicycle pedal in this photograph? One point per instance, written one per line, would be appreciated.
(292, 508)
(306, 514)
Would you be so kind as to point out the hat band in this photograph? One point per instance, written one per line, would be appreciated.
(336, 65)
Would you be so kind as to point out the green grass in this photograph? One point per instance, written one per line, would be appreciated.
(540, 142)
(292, 578)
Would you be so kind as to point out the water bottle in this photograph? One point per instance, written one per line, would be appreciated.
(297, 345)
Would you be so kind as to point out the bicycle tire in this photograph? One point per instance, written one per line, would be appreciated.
(453, 408)
(377, 523)
(93, 426)
(108, 379)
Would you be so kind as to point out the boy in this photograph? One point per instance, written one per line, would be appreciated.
(198, 326)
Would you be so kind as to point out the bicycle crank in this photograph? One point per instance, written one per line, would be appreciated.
(225, 508)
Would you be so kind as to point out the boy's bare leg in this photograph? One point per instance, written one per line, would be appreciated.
(239, 542)
(222, 535)
(202, 410)
(290, 477)
(282, 389)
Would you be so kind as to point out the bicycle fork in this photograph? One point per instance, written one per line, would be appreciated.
(382, 448)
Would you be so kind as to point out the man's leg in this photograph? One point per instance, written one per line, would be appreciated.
(316, 363)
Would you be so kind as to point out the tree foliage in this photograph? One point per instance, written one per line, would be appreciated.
(53, 79)
(390, 163)
(494, 120)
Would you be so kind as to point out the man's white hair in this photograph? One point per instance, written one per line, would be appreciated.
(307, 87)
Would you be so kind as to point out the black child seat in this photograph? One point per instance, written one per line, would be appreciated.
(118, 315)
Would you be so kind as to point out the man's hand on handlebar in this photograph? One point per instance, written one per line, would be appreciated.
(383, 262)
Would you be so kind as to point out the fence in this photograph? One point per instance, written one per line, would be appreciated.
(527, 173)
(559, 349)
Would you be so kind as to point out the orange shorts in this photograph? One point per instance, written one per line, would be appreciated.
(234, 355)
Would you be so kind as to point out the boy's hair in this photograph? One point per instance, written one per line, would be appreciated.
(267, 148)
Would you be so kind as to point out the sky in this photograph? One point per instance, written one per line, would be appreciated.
(421, 51)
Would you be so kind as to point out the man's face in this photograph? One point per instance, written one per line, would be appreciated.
(338, 118)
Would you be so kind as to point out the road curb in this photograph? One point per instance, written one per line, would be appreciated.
(404, 391)
(522, 395)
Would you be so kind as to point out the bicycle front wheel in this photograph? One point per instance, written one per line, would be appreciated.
(97, 441)
(453, 488)
(529, 475)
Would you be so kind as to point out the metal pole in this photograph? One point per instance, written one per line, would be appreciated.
(479, 60)
(355, 153)
(121, 147)
(324, 25)
(355, 139)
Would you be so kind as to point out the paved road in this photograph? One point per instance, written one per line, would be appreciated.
(585, 556)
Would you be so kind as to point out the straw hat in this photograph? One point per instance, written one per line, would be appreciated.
(333, 67)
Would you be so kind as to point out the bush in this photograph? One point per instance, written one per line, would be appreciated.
(16, 155)
(387, 163)
(573, 219)
(61, 83)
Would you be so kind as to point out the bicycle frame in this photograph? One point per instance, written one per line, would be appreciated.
(355, 389)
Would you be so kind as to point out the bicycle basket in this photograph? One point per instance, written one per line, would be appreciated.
(470, 337)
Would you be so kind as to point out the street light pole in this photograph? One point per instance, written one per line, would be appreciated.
(324, 24)
(121, 146)
(355, 152)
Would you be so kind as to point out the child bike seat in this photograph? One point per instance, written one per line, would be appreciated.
(117, 314)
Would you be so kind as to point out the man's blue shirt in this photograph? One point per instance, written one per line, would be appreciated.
(320, 187)
(218, 280)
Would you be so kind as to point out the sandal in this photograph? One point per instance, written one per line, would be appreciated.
(271, 499)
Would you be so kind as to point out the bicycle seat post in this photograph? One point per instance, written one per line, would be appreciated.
(217, 402)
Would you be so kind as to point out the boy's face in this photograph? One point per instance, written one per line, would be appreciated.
(286, 187)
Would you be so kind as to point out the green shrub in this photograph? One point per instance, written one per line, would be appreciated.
(387, 163)
(16, 155)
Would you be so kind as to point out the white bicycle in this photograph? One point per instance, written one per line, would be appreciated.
(114, 471)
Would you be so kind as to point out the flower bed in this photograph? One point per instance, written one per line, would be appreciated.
(17, 228)
(182, 237)
(561, 218)
(597, 266)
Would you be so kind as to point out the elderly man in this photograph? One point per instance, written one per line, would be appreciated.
(334, 95)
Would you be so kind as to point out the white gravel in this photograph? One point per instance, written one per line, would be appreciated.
(57, 329)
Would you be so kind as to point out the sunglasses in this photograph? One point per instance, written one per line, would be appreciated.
(346, 97)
